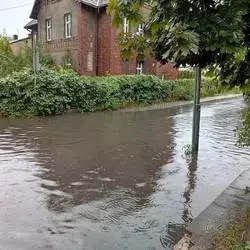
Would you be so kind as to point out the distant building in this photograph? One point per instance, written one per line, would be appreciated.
(18, 45)
(80, 33)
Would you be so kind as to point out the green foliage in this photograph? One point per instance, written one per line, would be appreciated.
(7, 59)
(244, 132)
(186, 74)
(25, 57)
(236, 69)
(233, 237)
(198, 33)
(10, 63)
(51, 92)
(247, 190)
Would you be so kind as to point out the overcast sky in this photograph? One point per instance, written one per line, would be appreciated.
(14, 15)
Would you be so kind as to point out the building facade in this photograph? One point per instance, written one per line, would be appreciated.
(79, 33)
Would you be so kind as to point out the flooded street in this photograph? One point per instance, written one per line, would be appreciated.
(112, 180)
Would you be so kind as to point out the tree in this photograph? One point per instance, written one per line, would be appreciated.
(10, 63)
(194, 32)
(236, 70)
(200, 33)
(7, 62)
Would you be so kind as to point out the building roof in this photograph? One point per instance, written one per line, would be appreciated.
(93, 3)
(20, 40)
(31, 24)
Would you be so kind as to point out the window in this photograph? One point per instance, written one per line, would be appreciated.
(140, 30)
(48, 25)
(139, 68)
(67, 25)
(125, 25)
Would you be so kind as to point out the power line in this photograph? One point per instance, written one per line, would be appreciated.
(15, 7)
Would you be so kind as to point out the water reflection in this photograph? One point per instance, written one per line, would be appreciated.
(96, 169)
(173, 232)
(192, 178)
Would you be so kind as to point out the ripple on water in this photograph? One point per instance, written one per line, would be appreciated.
(143, 194)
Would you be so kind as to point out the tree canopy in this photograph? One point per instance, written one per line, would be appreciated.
(194, 32)
(7, 61)
(236, 70)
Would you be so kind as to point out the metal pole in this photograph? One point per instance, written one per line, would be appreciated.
(35, 51)
(197, 110)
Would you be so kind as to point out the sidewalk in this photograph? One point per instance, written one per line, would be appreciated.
(166, 105)
(223, 212)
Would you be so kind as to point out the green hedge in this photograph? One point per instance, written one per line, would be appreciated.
(54, 92)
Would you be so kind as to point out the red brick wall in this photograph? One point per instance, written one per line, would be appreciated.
(168, 70)
(117, 64)
(87, 56)
(104, 44)
(109, 58)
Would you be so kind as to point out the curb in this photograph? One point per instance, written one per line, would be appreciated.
(166, 105)
(224, 211)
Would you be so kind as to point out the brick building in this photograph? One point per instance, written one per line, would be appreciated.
(80, 33)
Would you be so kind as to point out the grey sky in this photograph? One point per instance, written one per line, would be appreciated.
(14, 19)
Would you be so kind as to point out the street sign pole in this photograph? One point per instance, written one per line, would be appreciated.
(197, 110)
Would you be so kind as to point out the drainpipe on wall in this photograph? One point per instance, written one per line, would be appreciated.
(35, 51)
(97, 40)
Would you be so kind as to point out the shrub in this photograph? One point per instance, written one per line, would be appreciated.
(51, 92)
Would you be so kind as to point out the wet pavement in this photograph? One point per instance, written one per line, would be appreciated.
(113, 180)
(225, 211)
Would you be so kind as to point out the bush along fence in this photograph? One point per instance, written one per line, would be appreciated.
(51, 92)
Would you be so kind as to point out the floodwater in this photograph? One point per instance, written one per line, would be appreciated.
(113, 180)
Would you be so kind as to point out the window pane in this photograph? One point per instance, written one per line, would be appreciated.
(48, 24)
(67, 25)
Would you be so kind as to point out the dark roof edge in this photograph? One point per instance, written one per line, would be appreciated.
(19, 40)
(34, 11)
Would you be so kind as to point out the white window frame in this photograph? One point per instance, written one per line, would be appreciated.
(67, 25)
(48, 24)
(125, 25)
(139, 68)
(140, 30)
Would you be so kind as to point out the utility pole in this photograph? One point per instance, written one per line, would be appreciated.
(197, 110)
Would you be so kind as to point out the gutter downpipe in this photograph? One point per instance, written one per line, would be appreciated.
(97, 39)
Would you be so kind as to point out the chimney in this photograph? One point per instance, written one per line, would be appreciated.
(15, 37)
